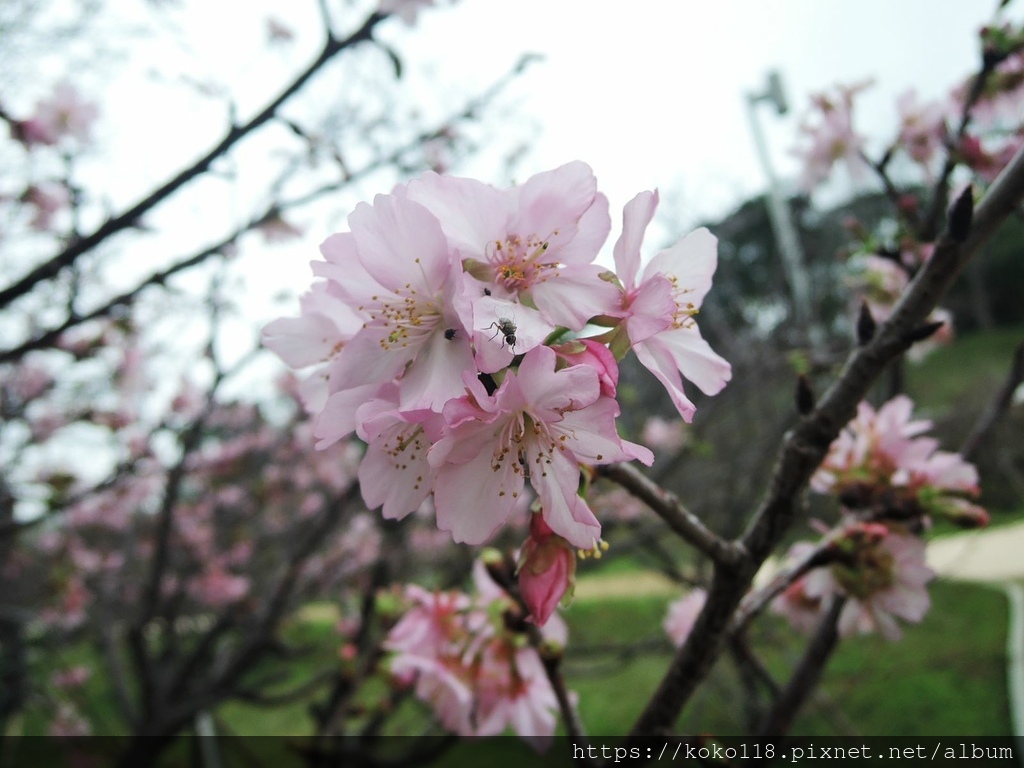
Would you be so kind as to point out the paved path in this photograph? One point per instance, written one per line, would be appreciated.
(993, 556)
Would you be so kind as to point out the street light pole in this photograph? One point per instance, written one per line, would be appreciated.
(779, 213)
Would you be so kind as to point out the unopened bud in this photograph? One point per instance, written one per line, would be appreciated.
(961, 216)
(804, 395)
(922, 332)
(866, 325)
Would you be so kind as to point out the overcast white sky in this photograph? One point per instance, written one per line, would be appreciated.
(650, 93)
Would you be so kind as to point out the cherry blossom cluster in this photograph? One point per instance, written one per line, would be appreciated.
(880, 570)
(469, 658)
(997, 127)
(466, 335)
(889, 478)
(927, 128)
(225, 527)
(883, 463)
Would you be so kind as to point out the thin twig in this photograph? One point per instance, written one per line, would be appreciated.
(668, 507)
(133, 215)
(999, 405)
(807, 673)
(755, 602)
(48, 338)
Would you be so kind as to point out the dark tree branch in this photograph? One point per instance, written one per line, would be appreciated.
(133, 215)
(807, 673)
(805, 445)
(48, 338)
(999, 405)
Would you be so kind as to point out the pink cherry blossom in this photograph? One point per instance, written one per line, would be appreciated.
(999, 104)
(72, 677)
(47, 200)
(541, 424)
(882, 573)
(887, 581)
(396, 269)
(801, 602)
(278, 32)
(479, 677)
(216, 587)
(513, 690)
(597, 356)
(429, 335)
(395, 472)
(664, 434)
(879, 282)
(882, 460)
(682, 615)
(277, 229)
(406, 10)
(431, 625)
(658, 311)
(533, 244)
(832, 137)
(618, 504)
(69, 722)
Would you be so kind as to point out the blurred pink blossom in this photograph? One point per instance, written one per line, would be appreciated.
(69, 722)
(72, 677)
(47, 200)
(682, 615)
(882, 461)
(664, 434)
(479, 676)
(63, 113)
(882, 573)
(406, 10)
(831, 138)
(922, 130)
(278, 31)
(216, 587)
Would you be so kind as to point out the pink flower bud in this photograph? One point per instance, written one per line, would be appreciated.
(547, 570)
(598, 357)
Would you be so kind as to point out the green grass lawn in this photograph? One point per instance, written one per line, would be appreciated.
(976, 362)
(946, 676)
